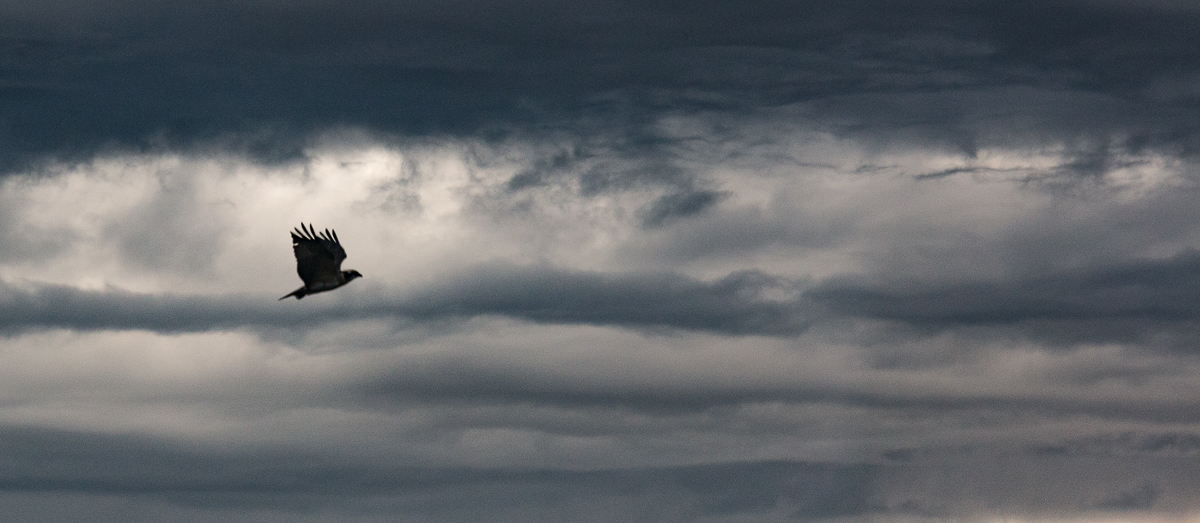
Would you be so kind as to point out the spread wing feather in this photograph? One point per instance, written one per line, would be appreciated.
(319, 255)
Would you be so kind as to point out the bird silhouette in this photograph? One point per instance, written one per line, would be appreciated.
(319, 258)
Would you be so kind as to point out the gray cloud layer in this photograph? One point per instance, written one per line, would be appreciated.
(293, 485)
(260, 77)
(1151, 302)
(732, 305)
(1134, 299)
(295, 482)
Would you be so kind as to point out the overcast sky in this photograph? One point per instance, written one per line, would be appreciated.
(655, 261)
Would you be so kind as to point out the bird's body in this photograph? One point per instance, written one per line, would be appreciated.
(319, 261)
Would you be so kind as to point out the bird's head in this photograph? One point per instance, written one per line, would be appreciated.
(351, 274)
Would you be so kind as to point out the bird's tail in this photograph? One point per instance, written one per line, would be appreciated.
(298, 293)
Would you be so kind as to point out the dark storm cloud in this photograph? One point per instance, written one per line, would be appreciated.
(1129, 302)
(59, 306)
(262, 77)
(452, 380)
(1140, 498)
(1118, 303)
(47, 460)
(734, 304)
(236, 481)
(1181, 444)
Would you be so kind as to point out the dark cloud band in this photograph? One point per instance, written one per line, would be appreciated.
(259, 79)
(734, 304)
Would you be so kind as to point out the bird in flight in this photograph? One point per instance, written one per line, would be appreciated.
(319, 261)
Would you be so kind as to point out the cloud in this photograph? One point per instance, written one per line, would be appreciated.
(624, 261)
(263, 80)
(291, 481)
(1170, 443)
(734, 304)
(149, 234)
(1140, 498)
(179, 480)
(679, 205)
(1133, 299)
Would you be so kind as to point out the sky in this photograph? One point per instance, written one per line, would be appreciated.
(657, 261)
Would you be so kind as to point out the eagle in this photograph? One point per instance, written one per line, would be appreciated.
(319, 258)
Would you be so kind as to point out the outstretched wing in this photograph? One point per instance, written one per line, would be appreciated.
(318, 256)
